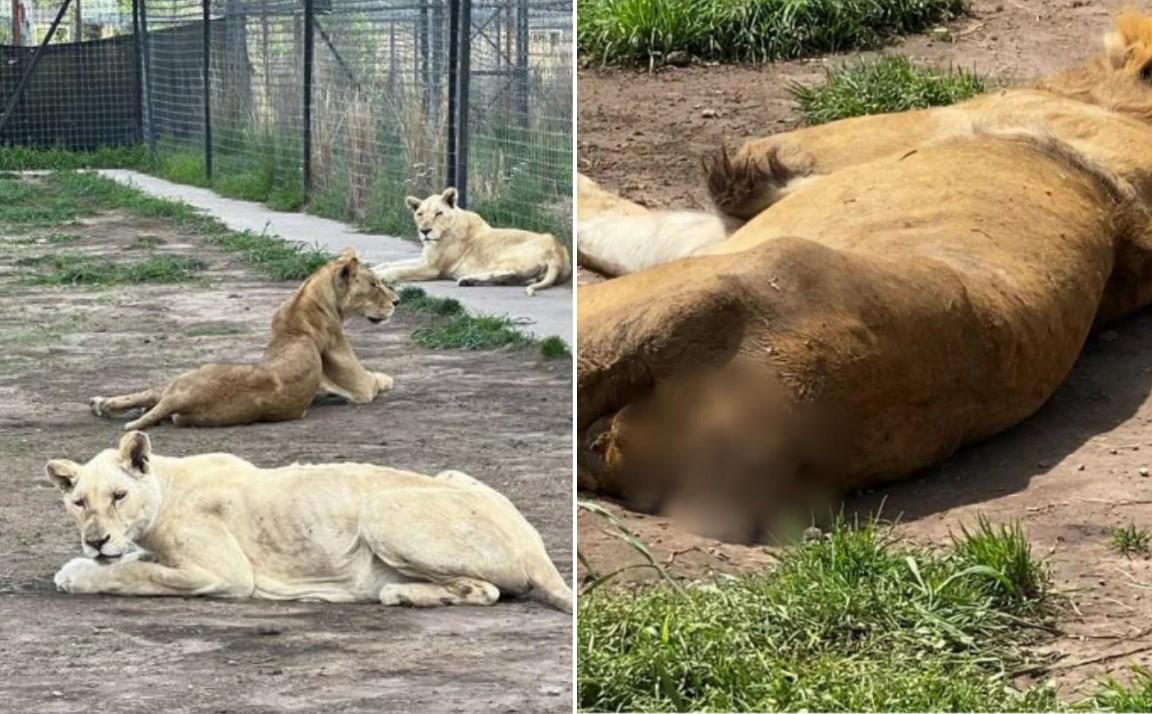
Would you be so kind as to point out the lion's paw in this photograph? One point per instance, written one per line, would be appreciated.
(529, 291)
(75, 576)
(96, 404)
(394, 596)
(467, 282)
(383, 382)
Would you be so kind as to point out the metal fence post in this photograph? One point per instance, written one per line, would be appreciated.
(309, 41)
(463, 113)
(149, 114)
(206, 5)
(139, 75)
(453, 78)
(521, 75)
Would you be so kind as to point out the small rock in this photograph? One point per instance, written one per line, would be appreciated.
(709, 113)
(1079, 467)
(678, 58)
(1144, 472)
(57, 693)
(812, 534)
(267, 631)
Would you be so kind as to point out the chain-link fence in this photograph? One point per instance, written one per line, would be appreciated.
(344, 106)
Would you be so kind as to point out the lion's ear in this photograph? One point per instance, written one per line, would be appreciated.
(347, 254)
(136, 451)
(412, 202)
(449, 197)
(62, 473)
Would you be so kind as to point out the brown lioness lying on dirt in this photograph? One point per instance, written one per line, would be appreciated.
(927, 283)
(308, 354)
(459, 245)
(331, 532)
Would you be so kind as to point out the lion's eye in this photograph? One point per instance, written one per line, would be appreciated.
(79, 503)
(119, 496)
(439, 213)
(1146, 73)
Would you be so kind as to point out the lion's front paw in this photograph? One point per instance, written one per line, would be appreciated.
(76, 575)
(96, 404)
(388, 275)
(467, 282)
(529, 291)
(383, 382)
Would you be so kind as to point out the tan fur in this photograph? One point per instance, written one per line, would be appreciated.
(928, 283)
(216, 525)
(1102, 110)
(307, 355)
(459, 245)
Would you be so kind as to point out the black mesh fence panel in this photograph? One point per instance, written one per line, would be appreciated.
(520, 113)
(387, 82)
(83, 92)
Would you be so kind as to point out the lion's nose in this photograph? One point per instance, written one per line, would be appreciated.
(396, 300)
(425, 231)
(96, 543)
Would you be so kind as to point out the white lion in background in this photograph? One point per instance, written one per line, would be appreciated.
(460, 245)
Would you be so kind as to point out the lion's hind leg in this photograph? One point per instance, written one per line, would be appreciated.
(458, 591)
(106, 406)
(165, 408)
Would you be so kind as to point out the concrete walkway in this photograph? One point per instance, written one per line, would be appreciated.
(545, 314)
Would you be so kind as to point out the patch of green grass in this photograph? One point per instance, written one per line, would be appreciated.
(1000, 558)
(554, 348)
(64, 196)
(21, 158)
(1130, 540)
(852, 621)
(456, 329)
(1136, 696)
(72, 269)
(280, 259)
(471, 332)
(889, 84)
(415, 299)
(630, 31)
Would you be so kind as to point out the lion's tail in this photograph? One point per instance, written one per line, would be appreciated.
(744, 186)
(553, 270)
(549, 586)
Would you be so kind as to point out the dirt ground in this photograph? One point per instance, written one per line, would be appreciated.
(501, 416)
(1068, 474)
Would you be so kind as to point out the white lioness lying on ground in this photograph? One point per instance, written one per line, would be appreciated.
(216, 525)
(459, 245)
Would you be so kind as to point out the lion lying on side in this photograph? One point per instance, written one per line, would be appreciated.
(871, 321)
(307, 355)
(1100, 111)
(216, 525)
(459, 245)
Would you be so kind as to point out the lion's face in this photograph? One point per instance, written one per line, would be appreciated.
(434, 215)
(113, 497)
(363, 293)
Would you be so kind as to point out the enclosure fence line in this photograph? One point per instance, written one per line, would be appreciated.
(343, 105)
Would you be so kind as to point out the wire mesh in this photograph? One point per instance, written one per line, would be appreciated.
(520, 114)
(82, 94)
(380, 112)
